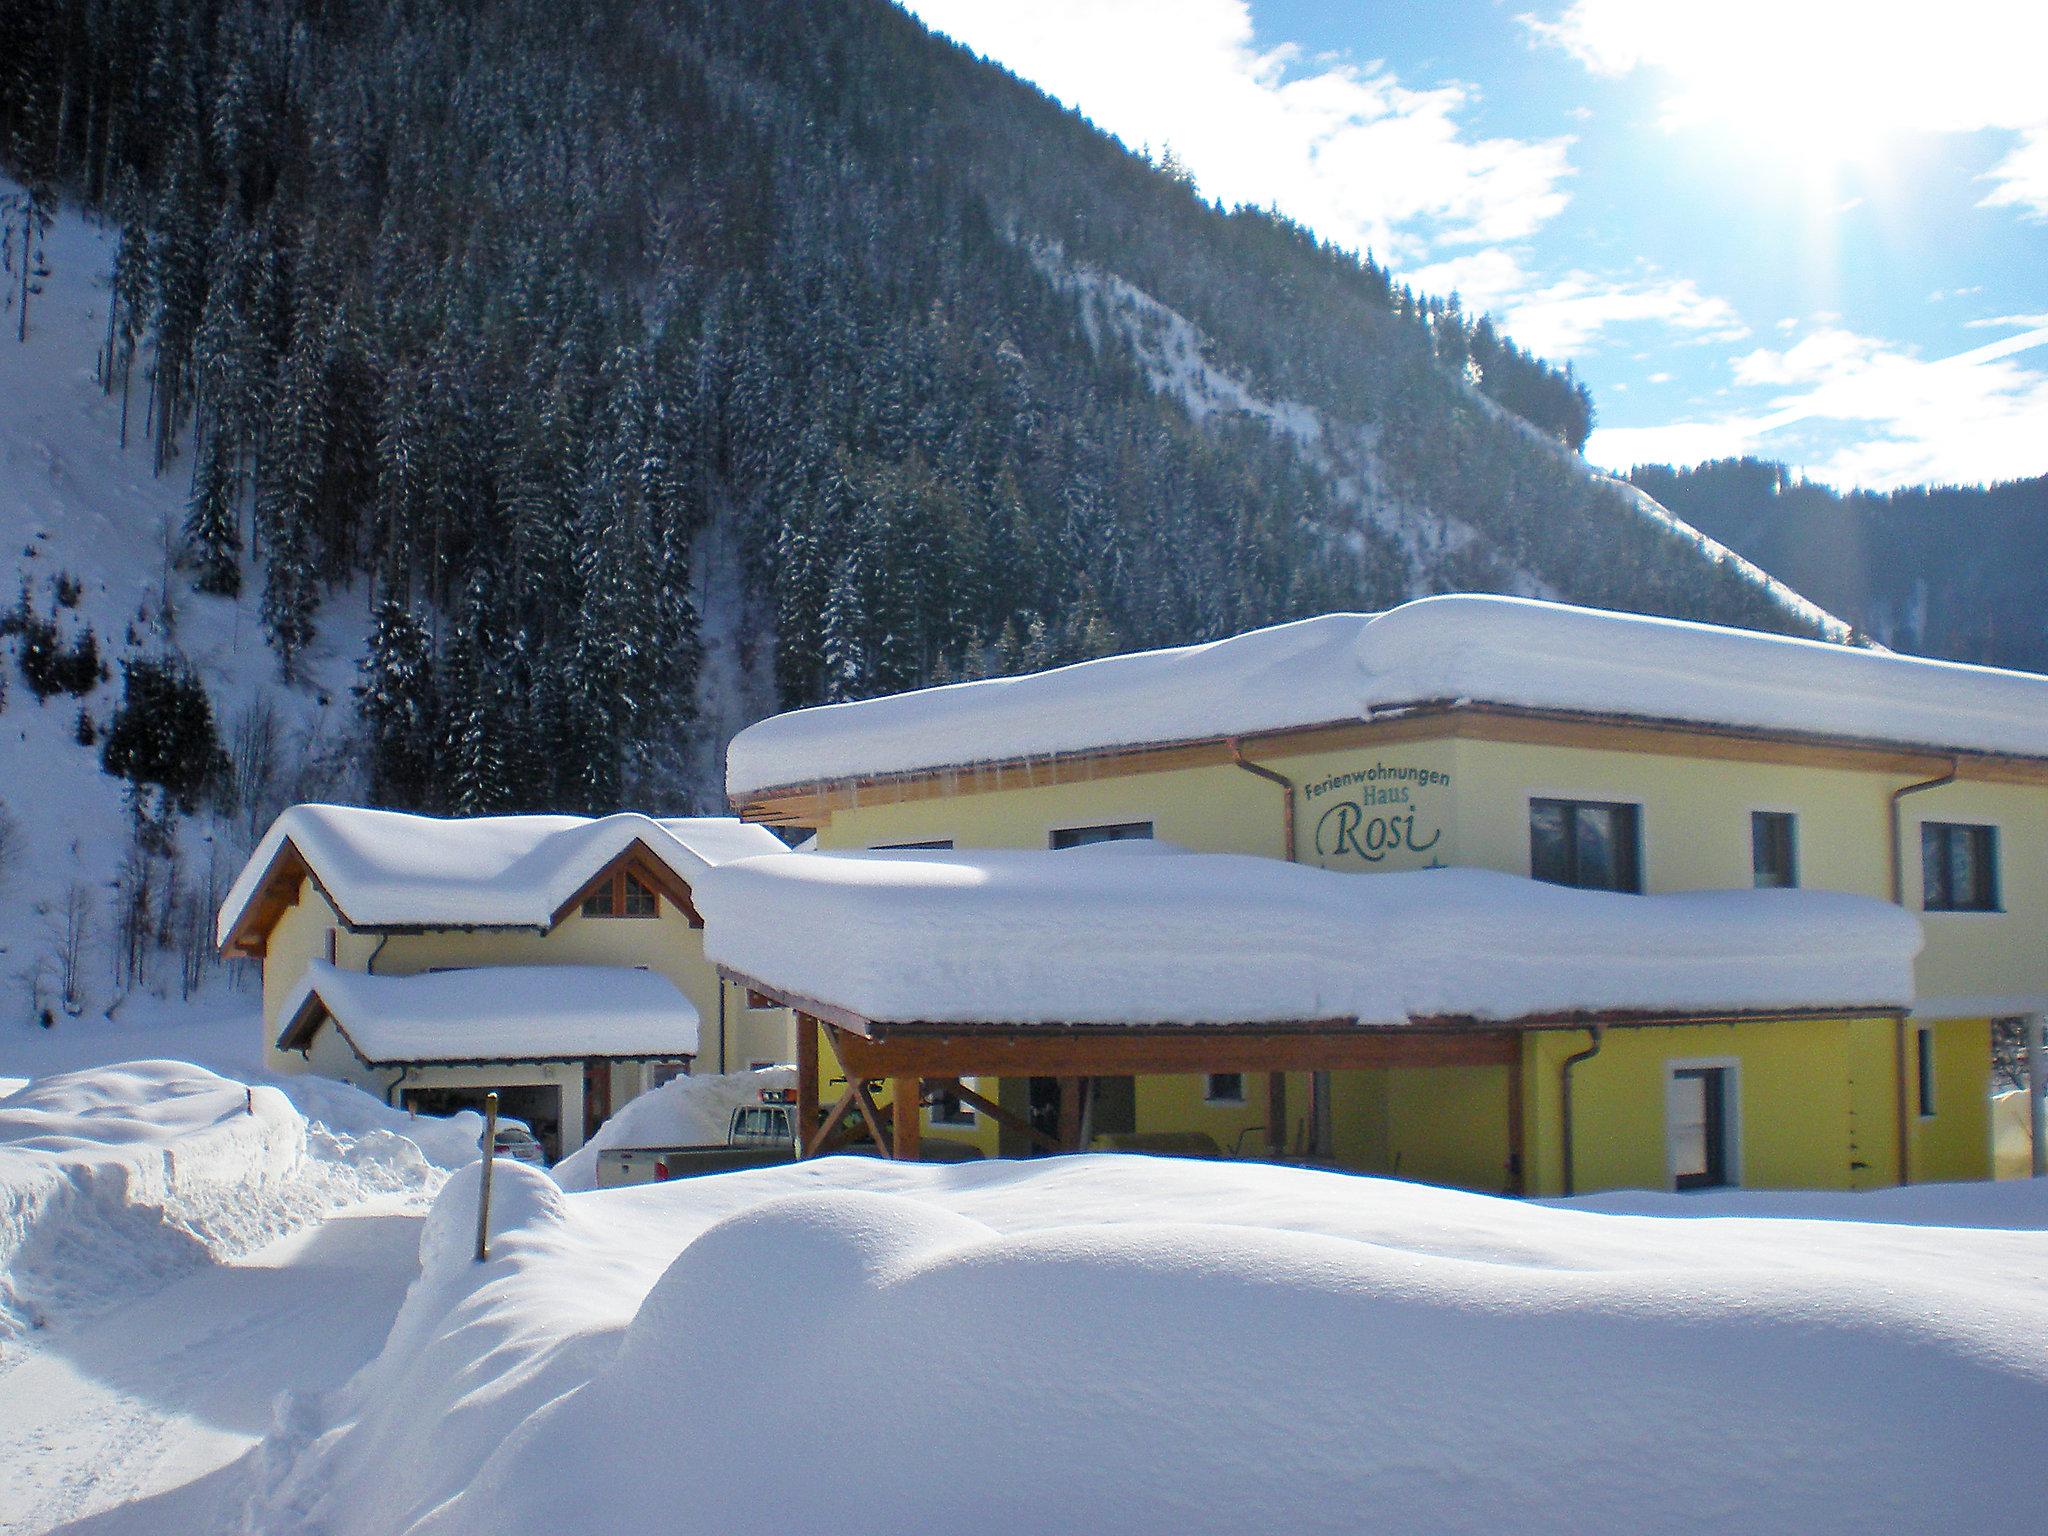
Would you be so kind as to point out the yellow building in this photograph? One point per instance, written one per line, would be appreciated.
(555, 959)
(1552, 743)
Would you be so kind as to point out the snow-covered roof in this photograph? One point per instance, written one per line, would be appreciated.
(389, 869)
(494, 1013)
(1437, 650)
(1138, 933)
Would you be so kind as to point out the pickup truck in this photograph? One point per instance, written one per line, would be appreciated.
(757, 1136)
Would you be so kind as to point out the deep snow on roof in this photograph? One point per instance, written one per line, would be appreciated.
(393, 869)
(501, 1013)
(1140, 933)
(1346, 666)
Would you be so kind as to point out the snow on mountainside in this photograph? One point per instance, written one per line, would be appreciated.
(75, 505)
(1175, 358)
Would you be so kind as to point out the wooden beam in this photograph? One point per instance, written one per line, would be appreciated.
(1003, 1117)
(977, 1052)
(908, 1137)
(806, 1080)
(833, 1120)
(1276, 1113)
(1071, 1089)
(869, 1112)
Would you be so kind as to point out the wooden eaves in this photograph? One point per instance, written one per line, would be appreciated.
(811, 803)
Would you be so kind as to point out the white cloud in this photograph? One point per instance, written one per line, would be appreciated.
(2020, 180)
(1346, 149)
(1819, 82)
(1561, 317)
(1884, 417)
(2007, 323)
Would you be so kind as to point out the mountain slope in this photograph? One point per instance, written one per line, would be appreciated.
(1955, 571)
(605, 377)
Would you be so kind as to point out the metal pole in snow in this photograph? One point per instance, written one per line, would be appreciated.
(483, 1187)
(2037, 1089)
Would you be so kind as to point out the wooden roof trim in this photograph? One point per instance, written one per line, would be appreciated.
(641, 861)
(276, 893)
(1440, 1024)
(807, 803)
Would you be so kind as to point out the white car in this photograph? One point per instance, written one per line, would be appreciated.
(518, 1143)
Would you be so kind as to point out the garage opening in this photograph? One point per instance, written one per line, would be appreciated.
(537, 1105)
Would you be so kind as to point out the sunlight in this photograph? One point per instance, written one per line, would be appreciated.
(1820, 86)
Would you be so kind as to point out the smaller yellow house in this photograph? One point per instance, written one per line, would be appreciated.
(556, 960)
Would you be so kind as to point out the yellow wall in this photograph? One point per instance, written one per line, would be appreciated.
(1695, 821)
(667, 944)
(1818, 1098)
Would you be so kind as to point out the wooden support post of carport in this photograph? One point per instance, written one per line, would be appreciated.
(907, 1140)
(806, 1082)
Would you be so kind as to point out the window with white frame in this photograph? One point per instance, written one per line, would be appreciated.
(1774, 850)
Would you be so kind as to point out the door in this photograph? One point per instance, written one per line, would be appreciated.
(1696, 1121)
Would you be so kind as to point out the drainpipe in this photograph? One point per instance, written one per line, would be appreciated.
(1565, 1075)
(1898, 854)
(391, 1093)
(1903, 1126)
(370, 965)
(1318, 1082)
(1286, 806)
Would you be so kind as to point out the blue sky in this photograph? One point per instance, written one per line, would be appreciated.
(1810, 230)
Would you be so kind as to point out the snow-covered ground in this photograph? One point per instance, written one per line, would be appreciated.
(74, 502)
(236, 1308)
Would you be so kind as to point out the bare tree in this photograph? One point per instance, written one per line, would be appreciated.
(67, 929)
(10, 844)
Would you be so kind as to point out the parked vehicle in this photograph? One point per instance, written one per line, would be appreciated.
(757, 1136)
(518, 1143)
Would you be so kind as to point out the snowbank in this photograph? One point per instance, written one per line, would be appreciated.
(495, 1013)
(683, 1112)
(115, 1179)
(1142, 1345)
(1349, 666)
(390, 868)
(1142, 933)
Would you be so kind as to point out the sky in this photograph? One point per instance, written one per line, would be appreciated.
(1806, 231)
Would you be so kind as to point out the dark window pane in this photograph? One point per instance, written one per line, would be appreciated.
(1958, 867)
(1772, 859)
(1116, 832)
(599, 902)
(1549, 848)
(639, 899)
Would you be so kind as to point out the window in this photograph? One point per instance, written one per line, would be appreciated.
(933, 843)
(659, 1072)
(1113, 832)
(1773, 850)
(1697, 1107)
(620, 894)
(1958, 867)
(1588, 843)
(948, 1108)
(1924, 1036)
(1224, 1088)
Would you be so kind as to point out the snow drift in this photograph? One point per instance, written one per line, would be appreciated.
(1142, 1345)
(115, 1179)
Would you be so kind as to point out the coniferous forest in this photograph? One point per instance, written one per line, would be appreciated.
(1941, 570)
(497, 314)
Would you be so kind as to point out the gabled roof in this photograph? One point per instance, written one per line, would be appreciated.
(392, 870)
(1453, 650)
(493, 1013)
(1141, 934)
